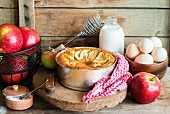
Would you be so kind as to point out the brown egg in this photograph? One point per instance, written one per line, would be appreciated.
(132, 51)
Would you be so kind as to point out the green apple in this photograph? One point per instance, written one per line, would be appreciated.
(48, 59)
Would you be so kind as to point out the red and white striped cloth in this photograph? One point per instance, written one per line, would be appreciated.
(110, 84)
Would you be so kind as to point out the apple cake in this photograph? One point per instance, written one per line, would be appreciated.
(85, 58)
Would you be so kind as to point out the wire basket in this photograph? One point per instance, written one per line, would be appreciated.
(19, 67)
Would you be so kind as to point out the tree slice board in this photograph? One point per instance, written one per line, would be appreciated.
(71, 100)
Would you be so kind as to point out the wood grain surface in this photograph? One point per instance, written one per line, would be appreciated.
(71, 100)
(60, 20)
(135, 22)
(103, 3)
(91, 41)
(128, 106)
(9, 16)
(92, 3)
(26, 13)
(139, 18)
(8, 3)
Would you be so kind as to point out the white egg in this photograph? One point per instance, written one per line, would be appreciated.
(146, 45)
(132, 51)
(156, 41)
(144, 59)
(159, 54)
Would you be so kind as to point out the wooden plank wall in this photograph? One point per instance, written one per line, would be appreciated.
(57, 21)
(9, 11)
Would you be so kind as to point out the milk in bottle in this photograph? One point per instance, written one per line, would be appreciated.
(111, 36)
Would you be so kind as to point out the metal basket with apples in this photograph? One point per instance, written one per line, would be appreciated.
(20, 51)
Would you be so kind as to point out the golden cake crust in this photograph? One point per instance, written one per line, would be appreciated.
(85, 58)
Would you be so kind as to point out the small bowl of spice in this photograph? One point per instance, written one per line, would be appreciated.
(14, 97)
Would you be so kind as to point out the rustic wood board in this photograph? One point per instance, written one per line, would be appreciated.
(71, 100)
(8, 3)
(92, 41)
(138, 18)
(128, 106)
(26, 13)
(9, 16)
(156, 10)
(91, 3)
(103, 3)
(135, 22)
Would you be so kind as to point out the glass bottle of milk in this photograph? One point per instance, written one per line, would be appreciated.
(111, 36)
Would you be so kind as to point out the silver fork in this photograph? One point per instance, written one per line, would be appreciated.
(90, 26)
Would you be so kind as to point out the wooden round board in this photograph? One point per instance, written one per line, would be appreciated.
(71, 100)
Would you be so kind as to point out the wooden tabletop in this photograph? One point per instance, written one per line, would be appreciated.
(160, 106)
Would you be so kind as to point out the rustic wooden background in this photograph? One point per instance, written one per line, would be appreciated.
(57, 21)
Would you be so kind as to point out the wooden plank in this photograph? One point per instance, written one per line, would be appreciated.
(91, 3)
(56, 41)
(9, 16)
(135, 22)
(128, 106)
(168, 48)
(9, 3)
(103, 3)
(71, 100)
(91, 41)
(26, 13)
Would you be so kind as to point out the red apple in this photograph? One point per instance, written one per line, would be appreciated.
(11, 39)
(14, 78)
(15, 63)
(13, 69)
(145, 87)
(48, 59)
(30, 37)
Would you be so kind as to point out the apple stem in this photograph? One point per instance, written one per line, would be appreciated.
(50, 48)
(152, 78)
